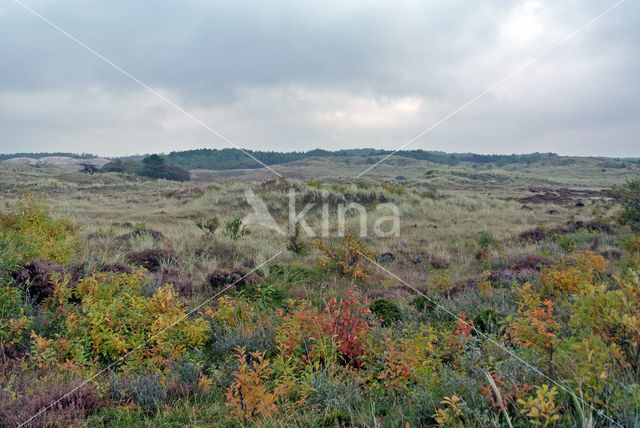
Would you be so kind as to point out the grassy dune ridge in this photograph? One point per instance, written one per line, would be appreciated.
(323, 336)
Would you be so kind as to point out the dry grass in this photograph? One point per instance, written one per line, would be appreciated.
(444, 210)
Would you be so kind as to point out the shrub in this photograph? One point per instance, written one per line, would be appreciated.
(530, 262)
(386, 310)
(31, 230)
(13, 321)
(152, 258)
(536, 326)
(396, 190)
(483, 242)
(253, 338)
(208, 224)
(155, 166)
(628, 196)
(361, 184)
(118, 165)
(422, 303)
(632, 244)
(235, 229)
(115, 267)
(296, 244)
(231, 314)
(181, 283)
(36, 277)
(541, 407)
(115, 318)
(66, 410)
(533, 235)
(334, 394)
(585, 333)
(240, 276)
(264, 295)
(176, 173)
(149, 392)
(142, 230)
(488, 321)
(313, 336)
(349, 325)
(187, 380)
(347, 259)
(249, 396)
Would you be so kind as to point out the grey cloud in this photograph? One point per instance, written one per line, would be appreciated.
(299, 75)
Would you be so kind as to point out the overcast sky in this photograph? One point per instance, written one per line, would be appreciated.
(300, 75)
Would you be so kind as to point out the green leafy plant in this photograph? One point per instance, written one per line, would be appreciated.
(235, 229)
(628, 196)
(115, 317)
(208, 224)
(296, 244)
(386, 310)
(13, 322)
(541, 407)
(249, 396)
(347, 259)
(31, 230)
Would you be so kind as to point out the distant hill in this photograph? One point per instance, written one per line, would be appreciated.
(88, 164)
(235, 159)
(229, 159)
(46, 155)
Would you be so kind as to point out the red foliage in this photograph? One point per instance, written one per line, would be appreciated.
(463, 327)
(461, 334)
(347, 322)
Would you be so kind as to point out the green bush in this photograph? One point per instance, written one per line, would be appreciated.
(422, 303)
(296, 244)
(209, 224)
(235, 229)
(14, 324)
(115, 317)
(31, 230)
(628, 196)
(149, 392)
(155, 166)
(488, 321)
(386, 310)
(175, 173)
(125, 167)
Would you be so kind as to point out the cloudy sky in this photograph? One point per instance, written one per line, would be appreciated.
(300, 75)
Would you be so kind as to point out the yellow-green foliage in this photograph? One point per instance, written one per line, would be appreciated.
(30, 229)
(396, 190)
(13, 321)
(598, 334)
(232, 314)
(249, 395)
(116, 318)
(348, 259)
(541, 407)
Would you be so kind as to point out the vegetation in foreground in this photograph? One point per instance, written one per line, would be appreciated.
(175, 330)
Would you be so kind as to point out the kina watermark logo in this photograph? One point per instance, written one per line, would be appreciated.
(380, 221)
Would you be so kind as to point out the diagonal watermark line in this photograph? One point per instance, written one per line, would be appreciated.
(137, 348)
(490, 339)
(147, 87)
(496, 84)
